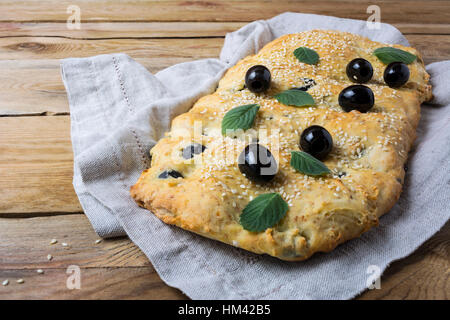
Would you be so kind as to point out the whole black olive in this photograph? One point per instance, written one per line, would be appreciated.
(356, 97)
(257, 79)
(316, 141)
(396, 74)
(359, 70)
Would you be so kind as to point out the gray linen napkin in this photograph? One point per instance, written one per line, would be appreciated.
(119, 111)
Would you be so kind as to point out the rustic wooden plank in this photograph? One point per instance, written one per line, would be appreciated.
(109, 30)
(58, 48)
(96, 283)
(116, 30)
(421, 28)
(25, 244)
(215, 10)
(36, 165)
(116, 268)
(24, 81)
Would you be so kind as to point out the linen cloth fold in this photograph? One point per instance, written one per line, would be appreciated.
(119, 111)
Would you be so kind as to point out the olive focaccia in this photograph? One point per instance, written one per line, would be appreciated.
(301, 147)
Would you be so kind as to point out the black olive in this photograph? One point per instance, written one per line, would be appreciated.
(359, 70)
(257, 163)
(396, 74)
(356, 97)
(193, 149)
(257, 79)
(342, 174)
(170, 173)
(316, 141)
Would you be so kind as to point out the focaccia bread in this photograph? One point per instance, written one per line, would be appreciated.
(192, 185)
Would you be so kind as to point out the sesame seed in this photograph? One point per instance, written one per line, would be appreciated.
(20, 281)
(98, 241)
(49, 257)
(64, 244)
(40, 271)
(53, 241)
(5, 283)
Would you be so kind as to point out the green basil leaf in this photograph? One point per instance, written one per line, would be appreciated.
(390, 54)
(263, 212)
(295, 97)
(306, 55)
(305, 163)
(241, 117)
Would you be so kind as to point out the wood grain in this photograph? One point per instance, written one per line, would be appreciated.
(171, 50)
(36, 165)
(96, 283)
(152, 30)
(34, 235)
(117, 269)
(34, 75)
(216, 10)
(130, 30)
(25, 80)
(432, 47)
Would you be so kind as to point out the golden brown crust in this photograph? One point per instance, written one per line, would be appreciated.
(370, 148)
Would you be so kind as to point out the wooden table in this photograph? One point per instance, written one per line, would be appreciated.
(37, 200)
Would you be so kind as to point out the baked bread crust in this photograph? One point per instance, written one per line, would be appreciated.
(367, 159)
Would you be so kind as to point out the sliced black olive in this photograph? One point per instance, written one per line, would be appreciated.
(243, 88)
(342, 174)
(193, 149)
(170, 173)
(308, 83)
(257, 163)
